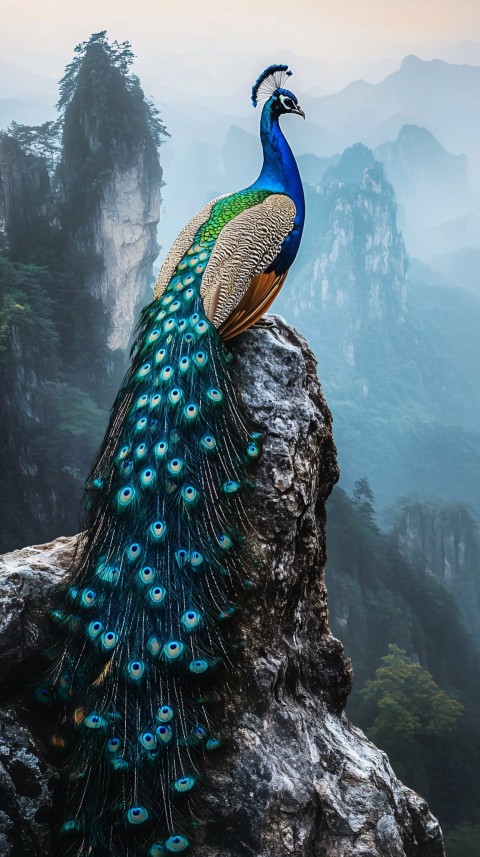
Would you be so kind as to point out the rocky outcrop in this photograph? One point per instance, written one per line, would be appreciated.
(360, 261)
(296, 778)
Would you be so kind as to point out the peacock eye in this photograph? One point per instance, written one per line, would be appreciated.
(289, 103)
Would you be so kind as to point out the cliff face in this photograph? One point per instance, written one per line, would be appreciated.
(75, 265)
(296, 778)
(443, 540)
(360, 267)
(111, 179)
(123, 233)
(25, 195)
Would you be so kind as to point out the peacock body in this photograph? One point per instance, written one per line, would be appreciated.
(147, 621)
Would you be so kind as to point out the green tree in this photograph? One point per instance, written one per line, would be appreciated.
(407, 701)
(44, 141)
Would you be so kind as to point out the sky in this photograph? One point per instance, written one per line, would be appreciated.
(198, 46)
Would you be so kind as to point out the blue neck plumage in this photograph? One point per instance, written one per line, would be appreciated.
(279, 172)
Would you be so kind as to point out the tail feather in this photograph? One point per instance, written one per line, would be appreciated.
(160, 574)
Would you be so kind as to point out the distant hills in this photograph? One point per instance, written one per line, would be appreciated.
(441, 96)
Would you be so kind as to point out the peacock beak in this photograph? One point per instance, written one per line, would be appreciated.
(299, 111)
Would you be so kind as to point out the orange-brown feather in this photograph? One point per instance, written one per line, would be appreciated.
(259, 296)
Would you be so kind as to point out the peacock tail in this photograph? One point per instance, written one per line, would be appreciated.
(161, 573)
(148, 618)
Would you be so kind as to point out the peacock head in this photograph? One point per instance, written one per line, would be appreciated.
(270, 85)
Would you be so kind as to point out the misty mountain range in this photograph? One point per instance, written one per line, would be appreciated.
(401, 381)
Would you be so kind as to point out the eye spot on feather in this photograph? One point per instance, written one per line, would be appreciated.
(109, 640)
(161, 315)
(141, 424)
(184, 784)
(191, 620)
(156, 595)
(148, 740)
(175, 466)
(184, 363)
(140, 450)
(125, 496)
(208, 443)
(114, 745)
(155, 400)
(144, 370)
(230, 486)
(202, 327)
(133, 551)
(196, 559)
(88, 598)
(190, 495)
(175, 306)
(165, 714)
(147, 477)
(94, 629)
(160, 355)
(167, 300)
(224, 541)
(181, 557)
(213, 744)
(94, 721)
(142, 401)
(200, 359)
(123, 452)
(175, 395)
(198, 666)
(135, 670)
(146, 575)
(161, 449)
(169, 325)
(153, 336)
(182, 323)
(177, 843)
(190, 412)
(166, 373)
(158, 530)
(215, 395)
(137, 815)
(189, 292)
(164, 734)
(189, 337)
(173, 650)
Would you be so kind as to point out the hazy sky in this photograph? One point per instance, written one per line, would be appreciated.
(200, 43)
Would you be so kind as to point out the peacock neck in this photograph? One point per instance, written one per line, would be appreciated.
(279, 172)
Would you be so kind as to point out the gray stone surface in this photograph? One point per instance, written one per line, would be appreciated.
(297, 778)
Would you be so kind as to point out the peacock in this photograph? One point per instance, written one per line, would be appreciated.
(147, 619)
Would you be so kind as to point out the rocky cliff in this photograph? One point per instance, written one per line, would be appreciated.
(76, 253)
(111, 179)
(442, 538)
(296, 777)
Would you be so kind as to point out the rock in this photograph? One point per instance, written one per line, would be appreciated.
(296, 778)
